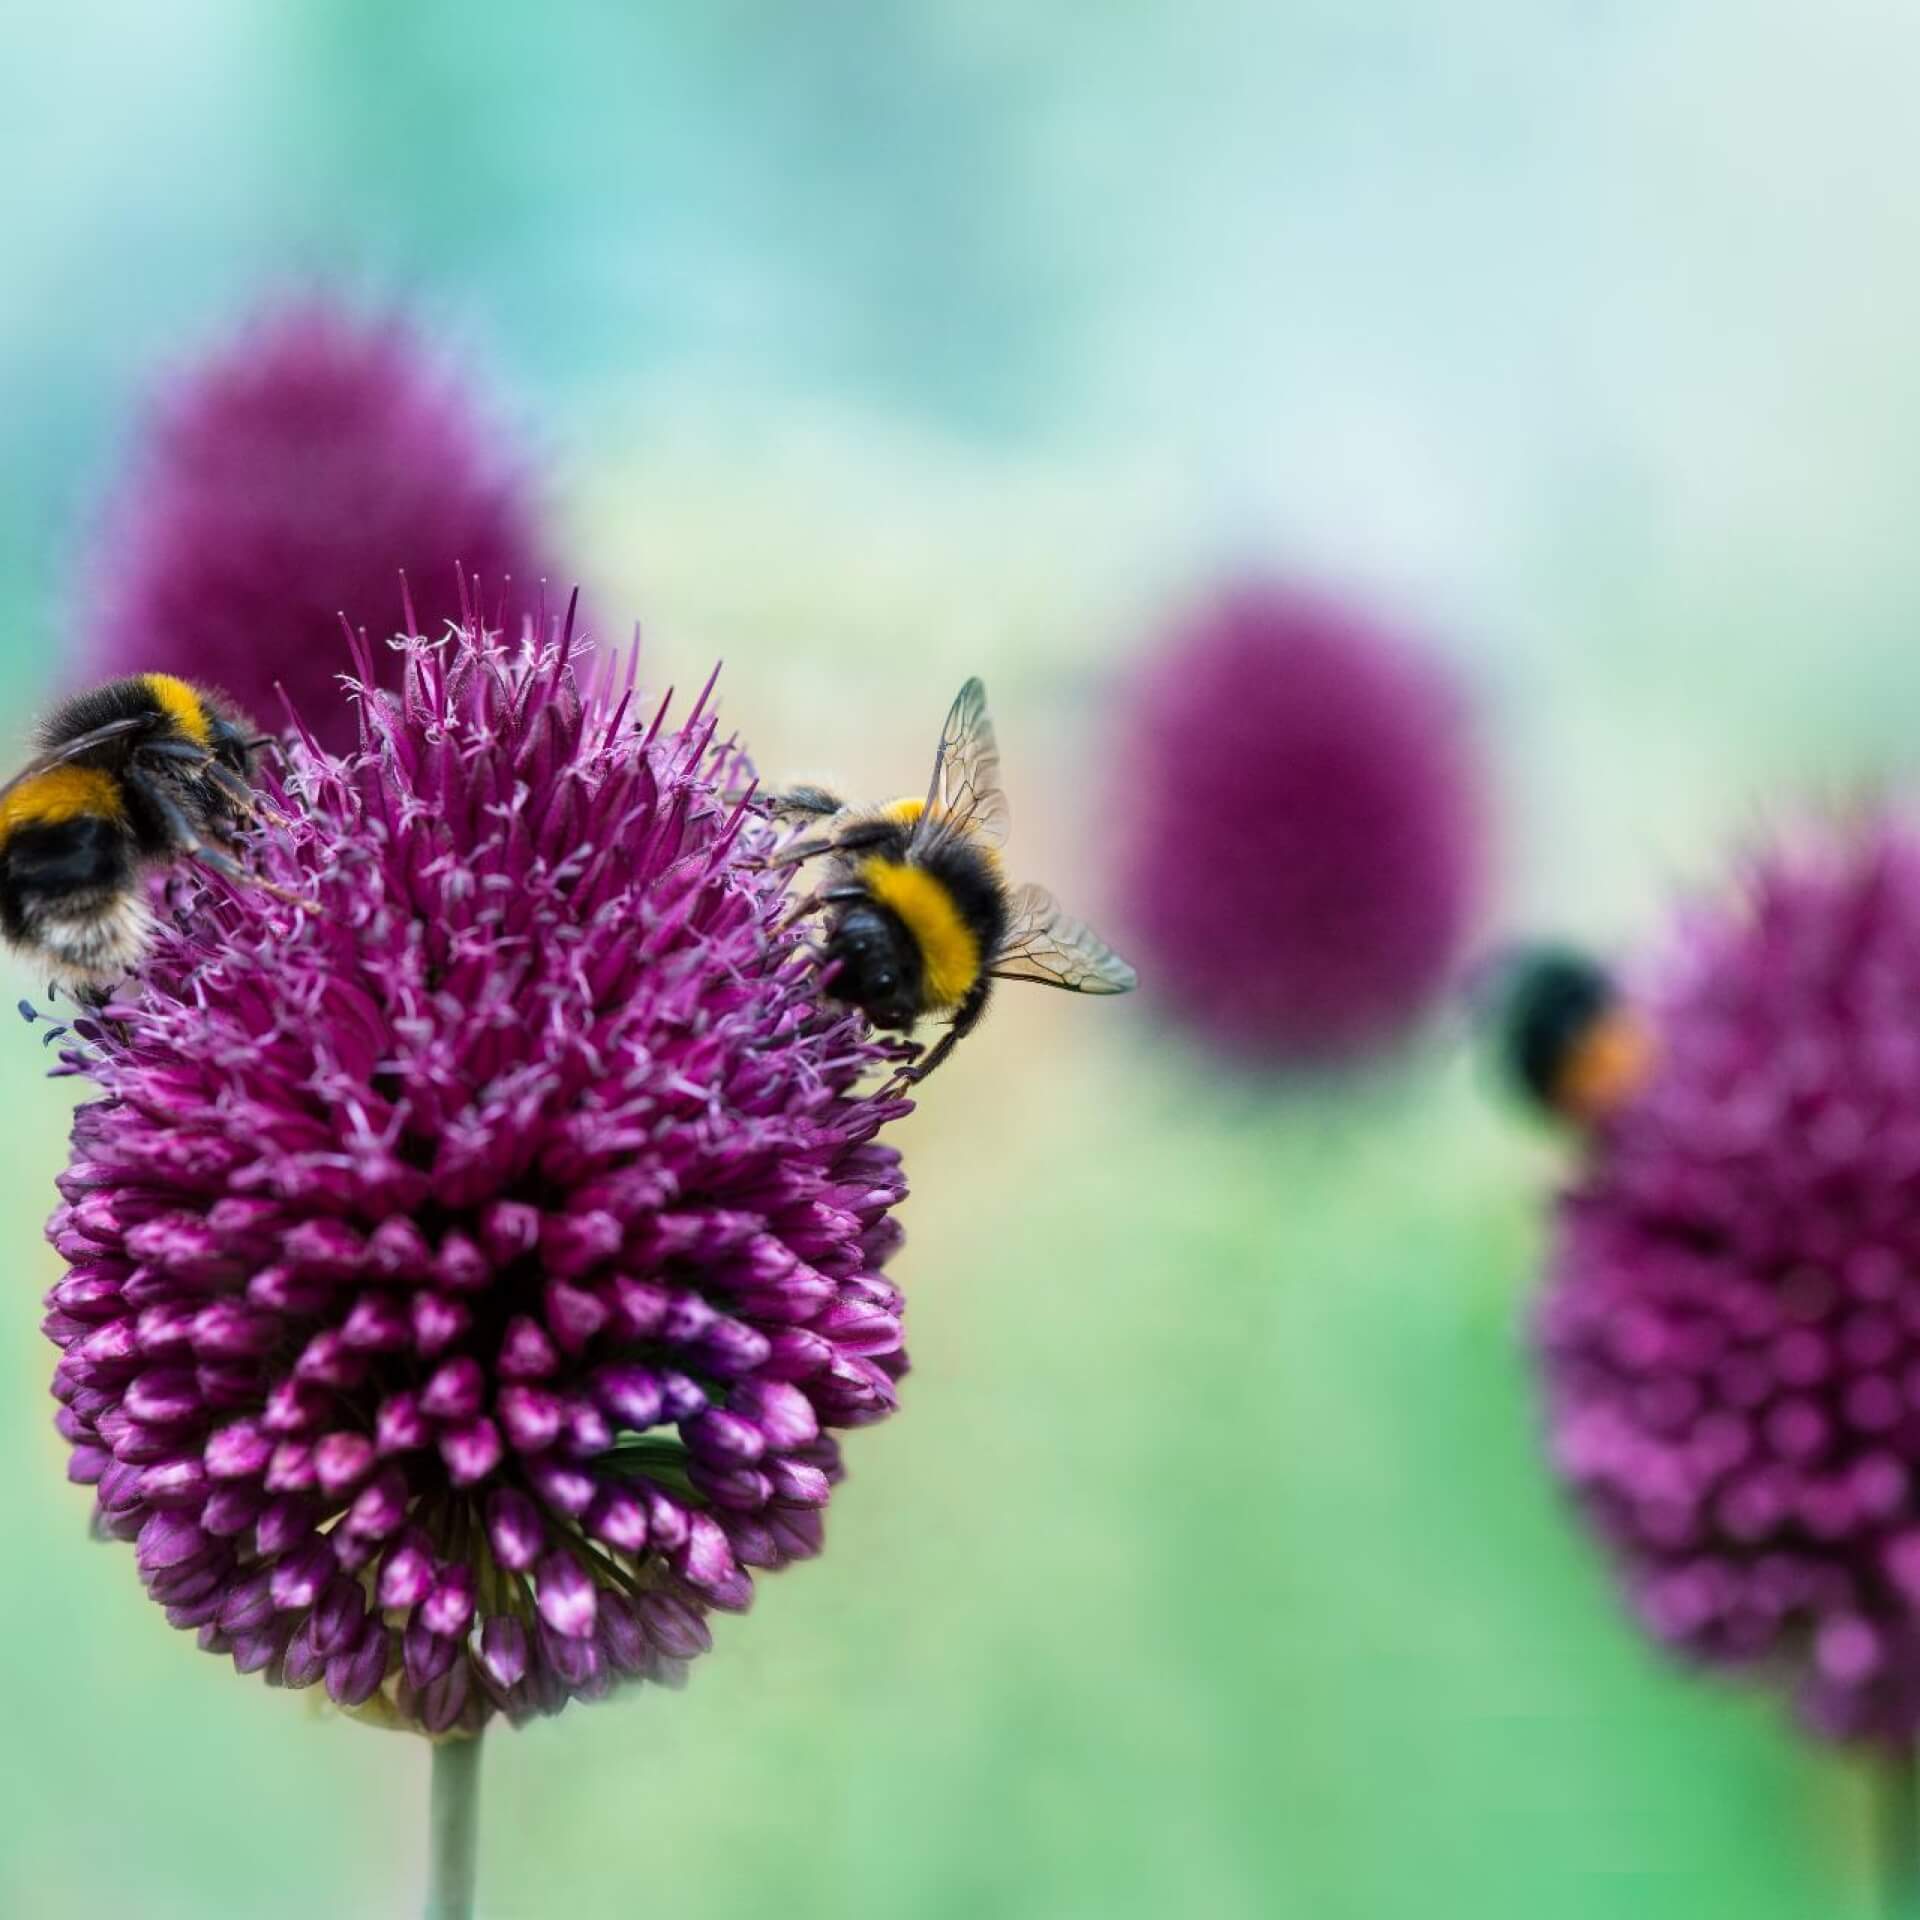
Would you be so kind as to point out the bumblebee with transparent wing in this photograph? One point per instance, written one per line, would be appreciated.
(919, 919)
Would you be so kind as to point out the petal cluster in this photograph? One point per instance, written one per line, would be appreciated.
(1300, 826)
(465, 1280)
(288, 480)
(1731, 1333)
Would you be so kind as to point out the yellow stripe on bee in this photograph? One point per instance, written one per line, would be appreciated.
(61, 793)
(907, 813)
(182, 705)
(949, 952)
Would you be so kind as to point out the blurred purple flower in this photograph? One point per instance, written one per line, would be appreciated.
(289, 479)
(463, 1280)
(1731, 1334)
(1300, 828)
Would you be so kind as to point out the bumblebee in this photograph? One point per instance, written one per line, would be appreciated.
(128, 776)
(1571, 1042)
(920, 919)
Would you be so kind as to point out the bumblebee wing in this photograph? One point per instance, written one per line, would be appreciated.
(1051, 950)
(964, 794)
(58, 756)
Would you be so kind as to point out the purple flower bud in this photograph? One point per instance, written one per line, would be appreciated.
(515, 1530)
(531, 1417)
(407, 1571)
(291, 1468)
(248, 1605)
(170, 1540)
(380, 1506)
(173, 1483)
(797, 1484)
(354, 1677)
(340, 1617)
(401, 1424)
(525, 1352)
(508, 1230)
(471, 1452)
(706, 1559)
(304, 1662)
(619, 1636)
(376, 1324)
(566, 1595)
(254, 1652)
(630, 1395)
(283, 1524)
(724, 1439)
(449, 1607)
(460, 1266)
(618, 1516)
(639, 1308)
(673, 1626)
(503, 1650)
(341, 1461)
(298, 1578)
(456, 1391)
(163, 1396)
(427, 1654)
(574, 1658)
(573, 1316)
(666, 1519)
(443, 1702)
(328, 1361)
(228, 1329)
(570, 1490)
(437, 1322)
(397, 1249)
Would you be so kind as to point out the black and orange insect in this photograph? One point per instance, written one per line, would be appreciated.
(1570, 1040)
(919, 917)
(128, 776)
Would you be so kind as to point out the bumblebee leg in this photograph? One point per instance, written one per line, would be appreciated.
(810, 848)
(814, 800)
(188, 842)
(245, 799)
(964, 1022)
(856, 839)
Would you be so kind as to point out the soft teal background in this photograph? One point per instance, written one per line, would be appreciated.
(1210, 1569)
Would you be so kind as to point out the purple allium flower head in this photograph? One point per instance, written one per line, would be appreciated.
(1731, 1332)
(1299, 818)
(464, 1280)
(291, 479)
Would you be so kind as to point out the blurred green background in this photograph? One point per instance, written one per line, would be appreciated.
(1209, 1569)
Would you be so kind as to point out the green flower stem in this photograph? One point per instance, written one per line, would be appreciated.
(453, 1829)
(1899, 1837)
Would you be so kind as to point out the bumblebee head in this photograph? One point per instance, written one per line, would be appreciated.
(1571, 1042)
(234, 739)
(879, 968)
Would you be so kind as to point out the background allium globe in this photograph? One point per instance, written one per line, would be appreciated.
(286, 480)
(465, 1279)
(1731, 1333)
(1300, 824)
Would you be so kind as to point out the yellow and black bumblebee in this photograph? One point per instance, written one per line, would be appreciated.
(920, 919)
(128, 776)
(1571, 1041)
